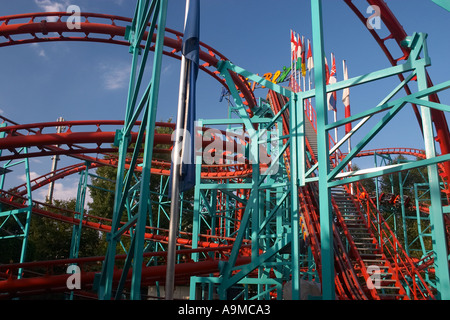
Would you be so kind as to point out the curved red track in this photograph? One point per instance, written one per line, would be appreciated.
(398, 34)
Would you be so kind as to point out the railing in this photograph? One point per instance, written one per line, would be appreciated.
(346, 281)
(353, 250)
(404, 266)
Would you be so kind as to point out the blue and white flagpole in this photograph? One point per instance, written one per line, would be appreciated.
(182, 175)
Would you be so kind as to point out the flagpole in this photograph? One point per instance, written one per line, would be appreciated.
(346, 96)
(309, 88)
(344, 65)
(176, 172)
(175, 203)
(304, 82)
(296, 65)
(335, 129)
(292, 66)
(309, 80)
(335, 109)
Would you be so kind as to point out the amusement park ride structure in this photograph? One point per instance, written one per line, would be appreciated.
(256, 225)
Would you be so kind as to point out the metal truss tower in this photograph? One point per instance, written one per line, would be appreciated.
(149, 16)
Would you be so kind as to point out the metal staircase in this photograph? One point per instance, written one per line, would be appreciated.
(374, 270)
(311, 137)
(369, 262)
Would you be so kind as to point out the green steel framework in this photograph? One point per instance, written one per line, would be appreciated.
(261, 211)
(415, 65)
(21, 217)
(149, 16)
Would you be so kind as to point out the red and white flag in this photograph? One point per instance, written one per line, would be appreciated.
(296, 51)
(331, 97)
(296, 47)
(309, 57)
(346, 99)
(293, 42)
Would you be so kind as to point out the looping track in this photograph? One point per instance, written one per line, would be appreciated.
(102, 28)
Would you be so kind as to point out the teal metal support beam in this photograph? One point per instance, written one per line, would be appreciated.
(23, 224)
(148, 154)
(148, 14)
(26, 227)
(436, 212)
(349, 177)
(326, 234)
(196, 216)
(79, 208)
(443, 3)
(296, 130)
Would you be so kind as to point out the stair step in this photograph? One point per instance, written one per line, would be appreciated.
(368, 238)
(362, 233)
(387, 288)
(356, 223)
(388, 280)
(387, 276)
(371, 255)
(371, 261)
(366, 249)
(366, 244)
(390, 295)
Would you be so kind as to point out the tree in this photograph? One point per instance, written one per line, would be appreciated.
(391, 182)
(103, 186)
(51, 239)
(368, 184)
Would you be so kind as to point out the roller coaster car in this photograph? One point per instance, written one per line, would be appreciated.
(406, 200)
(387, 198)
(390, 198)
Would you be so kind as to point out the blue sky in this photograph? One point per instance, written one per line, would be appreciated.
(81, 81)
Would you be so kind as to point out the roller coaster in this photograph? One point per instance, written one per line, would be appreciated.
(258, 229)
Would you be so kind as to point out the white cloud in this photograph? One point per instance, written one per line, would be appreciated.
(61, 191)
(33, 175)
(36, 160)
(40, 52)
(66, 191)
(52, 6)
(115, 76)
(167, 70)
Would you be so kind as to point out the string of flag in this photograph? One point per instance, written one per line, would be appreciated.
(302, 64)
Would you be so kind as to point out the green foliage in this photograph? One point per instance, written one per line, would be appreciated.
(102, 192)
(391, 183)
(50, 239)
(368, 184)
